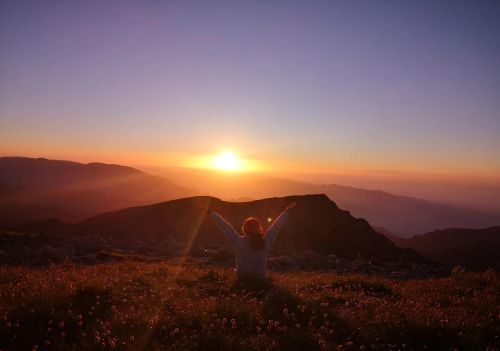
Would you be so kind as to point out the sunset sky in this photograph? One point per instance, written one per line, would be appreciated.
(316, 86)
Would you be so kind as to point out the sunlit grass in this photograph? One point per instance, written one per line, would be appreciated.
(158, 306)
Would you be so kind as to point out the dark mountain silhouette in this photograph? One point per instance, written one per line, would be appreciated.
(471, 248)
(34, 189)
(316, 224)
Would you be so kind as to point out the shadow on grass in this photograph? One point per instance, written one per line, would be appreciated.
(252, 284)
(57, 322)
(443, 337)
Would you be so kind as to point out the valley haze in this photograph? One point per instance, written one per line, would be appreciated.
(72, 191)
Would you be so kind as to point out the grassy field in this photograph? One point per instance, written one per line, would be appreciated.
(167, 306)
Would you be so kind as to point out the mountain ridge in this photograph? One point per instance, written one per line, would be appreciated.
(110, 187)
(316, 224)
(404, 215)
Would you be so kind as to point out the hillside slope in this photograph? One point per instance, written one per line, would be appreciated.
(316, 223)
(472, 248)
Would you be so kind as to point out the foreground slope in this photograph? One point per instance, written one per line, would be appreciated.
(166, 306)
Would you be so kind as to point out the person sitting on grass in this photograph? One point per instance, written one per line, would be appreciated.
(251, 248)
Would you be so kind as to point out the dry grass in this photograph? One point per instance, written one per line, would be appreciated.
(162, 306)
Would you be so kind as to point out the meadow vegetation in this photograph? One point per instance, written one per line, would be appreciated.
(134, 305)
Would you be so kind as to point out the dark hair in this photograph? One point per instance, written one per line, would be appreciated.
(253, 229)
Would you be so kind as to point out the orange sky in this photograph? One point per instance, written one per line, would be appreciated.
(320, 170)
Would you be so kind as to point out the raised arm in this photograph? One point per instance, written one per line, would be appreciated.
(274, 229)
(226, 227)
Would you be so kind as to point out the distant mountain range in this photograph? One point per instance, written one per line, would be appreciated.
(472, 248)
(35, 189)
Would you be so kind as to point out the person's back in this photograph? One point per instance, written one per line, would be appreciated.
(249, 259)
(252, 248)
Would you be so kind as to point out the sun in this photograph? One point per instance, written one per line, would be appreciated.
(227, 161)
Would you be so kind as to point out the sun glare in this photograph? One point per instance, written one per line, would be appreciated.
(227, 161)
